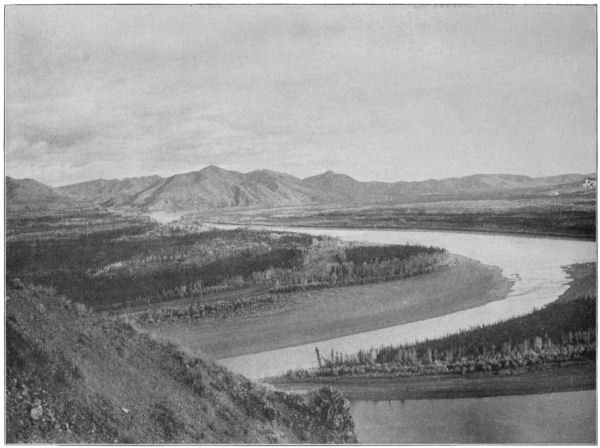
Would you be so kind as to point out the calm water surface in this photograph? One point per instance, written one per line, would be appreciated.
(537, 261)
(568, 417)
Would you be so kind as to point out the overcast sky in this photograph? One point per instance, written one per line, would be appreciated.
(377, 92)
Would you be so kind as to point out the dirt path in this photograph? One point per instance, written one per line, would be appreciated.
(325, 314)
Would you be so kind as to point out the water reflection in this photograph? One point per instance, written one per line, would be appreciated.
(568, 417)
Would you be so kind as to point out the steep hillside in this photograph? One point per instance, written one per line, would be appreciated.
(211, 187)
(31, 195)
(75, 377)
(215, 188)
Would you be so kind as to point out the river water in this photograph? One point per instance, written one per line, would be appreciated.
(568, 417)
(536, 263)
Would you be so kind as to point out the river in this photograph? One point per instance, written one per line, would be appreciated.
(567, 417)
(538, 263)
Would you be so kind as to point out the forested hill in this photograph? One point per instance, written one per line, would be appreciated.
(216, 188)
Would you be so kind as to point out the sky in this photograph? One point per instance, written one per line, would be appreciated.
(383, 93)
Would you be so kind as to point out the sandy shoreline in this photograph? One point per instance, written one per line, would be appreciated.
(568, 376)
(326, 314)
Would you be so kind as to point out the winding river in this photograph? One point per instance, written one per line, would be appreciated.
(535, 263)
(537, 266)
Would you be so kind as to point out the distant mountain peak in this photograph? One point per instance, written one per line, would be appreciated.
(214, 187)
(213, 169)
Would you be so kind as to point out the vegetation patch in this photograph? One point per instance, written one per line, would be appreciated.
(132, 261)
(558, 333)
(560, 216)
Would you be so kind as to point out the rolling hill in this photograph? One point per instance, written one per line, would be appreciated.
(213, 187)
(216, 188)
(31, 195)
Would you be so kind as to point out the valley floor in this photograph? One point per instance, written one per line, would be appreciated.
(324, 314)
(569, 217)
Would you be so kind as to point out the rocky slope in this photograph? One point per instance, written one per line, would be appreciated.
(76, 377)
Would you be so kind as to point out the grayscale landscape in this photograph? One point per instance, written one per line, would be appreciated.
(258, 224)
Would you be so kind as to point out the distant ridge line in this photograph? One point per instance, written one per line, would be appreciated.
(214, 188)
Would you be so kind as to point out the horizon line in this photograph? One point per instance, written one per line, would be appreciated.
(301, 178)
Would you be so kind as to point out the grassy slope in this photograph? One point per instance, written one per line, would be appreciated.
(326, 314)
(99, 381)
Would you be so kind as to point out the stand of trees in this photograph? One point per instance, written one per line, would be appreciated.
(123, 264)
(167, 282)
(361, 265)
(559, 332)
(108, 261)
(219, 309)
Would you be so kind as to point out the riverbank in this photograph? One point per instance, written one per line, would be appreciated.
(326, 314)
(506, 358)
(531, 217)
(573, 376)
(583, 281)
(525, 233)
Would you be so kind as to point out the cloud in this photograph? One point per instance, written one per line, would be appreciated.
(107, 91)
(58, 138)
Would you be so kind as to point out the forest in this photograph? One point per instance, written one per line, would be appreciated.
(131, 263)
(359, 265)
(557, 333)
(110, 264)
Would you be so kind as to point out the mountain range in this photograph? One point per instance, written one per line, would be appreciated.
(214, 188)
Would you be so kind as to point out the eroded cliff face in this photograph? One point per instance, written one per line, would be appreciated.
(78, 377)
